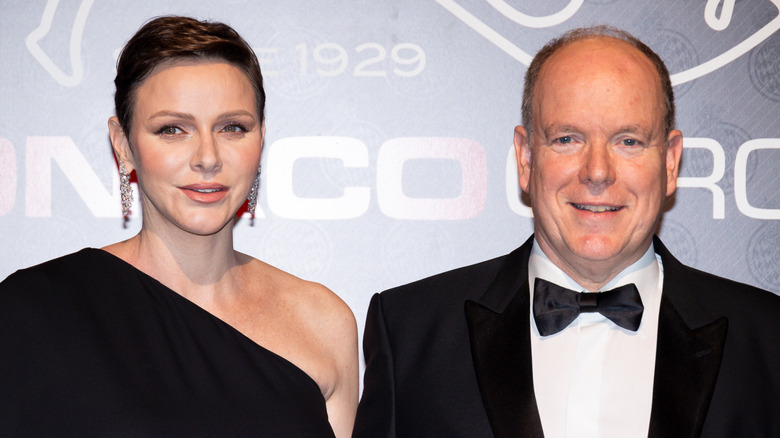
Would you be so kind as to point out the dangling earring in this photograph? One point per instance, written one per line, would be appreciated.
(252, 198)
(126, 192)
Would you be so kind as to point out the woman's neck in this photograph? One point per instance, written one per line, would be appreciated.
(184, 262)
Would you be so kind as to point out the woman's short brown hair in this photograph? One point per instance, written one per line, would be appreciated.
(169, 38)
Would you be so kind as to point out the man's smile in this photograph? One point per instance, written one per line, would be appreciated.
(595, 208)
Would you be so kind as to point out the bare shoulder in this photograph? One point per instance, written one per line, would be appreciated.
(308, 309)
(319, 304)
(309, 325)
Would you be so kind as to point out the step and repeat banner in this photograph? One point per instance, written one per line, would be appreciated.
(388, 155)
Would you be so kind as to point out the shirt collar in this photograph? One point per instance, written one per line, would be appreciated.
(644, 273)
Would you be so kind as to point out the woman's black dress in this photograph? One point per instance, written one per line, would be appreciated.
(91, 346)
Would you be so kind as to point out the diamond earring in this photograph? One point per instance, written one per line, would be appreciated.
(126, 191)
(252, 198)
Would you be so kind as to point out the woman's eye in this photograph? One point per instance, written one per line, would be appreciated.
(234, 127)
(169, 130)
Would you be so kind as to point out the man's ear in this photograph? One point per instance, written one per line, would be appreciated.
(523, 156)
(121, 144)
(674, 148)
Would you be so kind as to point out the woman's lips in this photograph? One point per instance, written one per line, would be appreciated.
(205, 193)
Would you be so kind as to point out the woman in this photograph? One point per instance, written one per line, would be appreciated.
(173, 332)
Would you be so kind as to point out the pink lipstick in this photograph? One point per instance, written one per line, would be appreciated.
(205, 192)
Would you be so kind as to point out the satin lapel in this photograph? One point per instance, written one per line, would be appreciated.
(687, 361)
(499, 332)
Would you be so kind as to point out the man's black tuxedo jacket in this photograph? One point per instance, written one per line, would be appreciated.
(449, 356)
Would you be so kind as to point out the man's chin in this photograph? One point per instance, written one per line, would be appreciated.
(597, 249)
(604, 249)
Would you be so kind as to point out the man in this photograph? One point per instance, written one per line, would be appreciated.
(662, 350)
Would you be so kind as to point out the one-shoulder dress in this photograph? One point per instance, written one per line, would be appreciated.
(91, 346)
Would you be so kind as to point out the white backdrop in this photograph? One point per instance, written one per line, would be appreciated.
(389, 130)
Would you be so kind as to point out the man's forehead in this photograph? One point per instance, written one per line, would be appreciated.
(602, 67)
(578, 57)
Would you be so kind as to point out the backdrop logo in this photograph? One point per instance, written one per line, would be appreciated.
(717, 15)
(74, 46)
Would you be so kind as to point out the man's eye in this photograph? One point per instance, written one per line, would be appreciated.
(630, 142)
(564, 140)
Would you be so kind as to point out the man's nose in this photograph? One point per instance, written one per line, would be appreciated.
(598, 170)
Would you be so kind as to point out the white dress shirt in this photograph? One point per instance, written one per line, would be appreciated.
(594, 378)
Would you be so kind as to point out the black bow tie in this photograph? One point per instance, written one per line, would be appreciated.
(555, 307)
